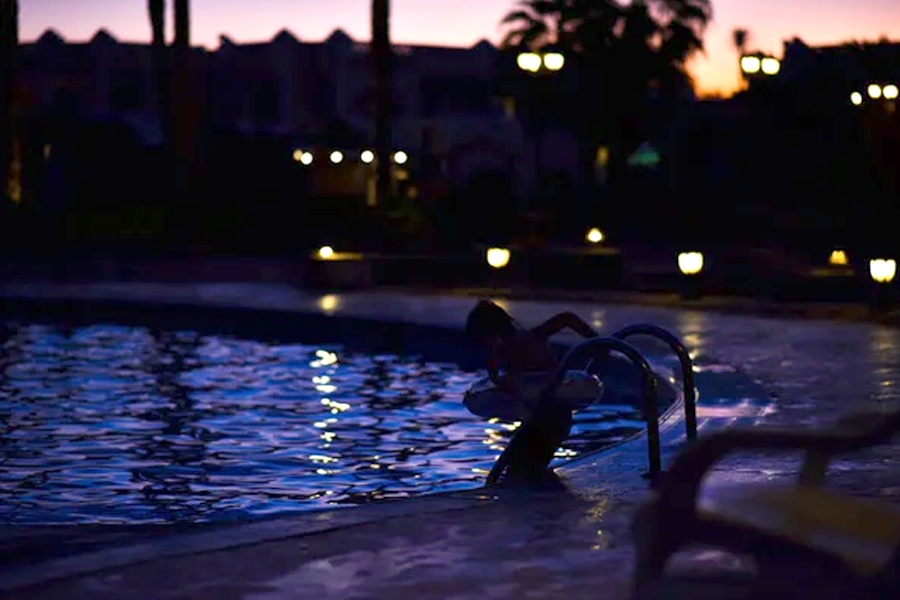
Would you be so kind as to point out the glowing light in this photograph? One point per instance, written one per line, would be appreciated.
(298, 154)
(529, 61)
(883, 270)
(306, 158)
(891, 92)
(874, 91)
(771, 66)
(326, 252)
(498, 257)
(48, 150)
(329, 303)
(554, 61)
(367, 156)
(838, 258)
(750, 64)
(690, 263)
(594, 236)
(336, 157)
(400, 157)
(856, 98)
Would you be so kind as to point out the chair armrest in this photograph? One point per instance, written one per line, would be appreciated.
(680, 484)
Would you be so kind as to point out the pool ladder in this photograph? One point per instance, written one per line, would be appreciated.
(600, 347)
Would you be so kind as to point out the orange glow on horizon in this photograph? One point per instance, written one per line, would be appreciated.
(462, 23)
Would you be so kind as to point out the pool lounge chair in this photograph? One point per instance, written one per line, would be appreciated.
(786, 528)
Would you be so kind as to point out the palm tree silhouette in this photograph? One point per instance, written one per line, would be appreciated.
(628, 47)
(160, 59)
(172, 74)
(568, 24)
(9, 43)
(183, 138)
(740, 37)
(382, 58)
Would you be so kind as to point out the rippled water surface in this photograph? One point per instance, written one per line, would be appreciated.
(121, 424)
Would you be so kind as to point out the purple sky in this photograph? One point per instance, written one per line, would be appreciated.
(464, 22)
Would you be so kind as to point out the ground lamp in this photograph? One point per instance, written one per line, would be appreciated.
(882, 271)
(838, 258)
(690, 264)
(498, 257)
(594, 236)
(540, 63)
(329, 303)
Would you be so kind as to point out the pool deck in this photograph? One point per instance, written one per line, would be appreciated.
(487, 543)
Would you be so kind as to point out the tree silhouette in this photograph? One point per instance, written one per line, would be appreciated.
(161, 83)
(740, 37)
(382, 57)
(183, 138)
(9, 43)
(628, 48)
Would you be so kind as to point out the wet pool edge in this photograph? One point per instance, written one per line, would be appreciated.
(629, 456)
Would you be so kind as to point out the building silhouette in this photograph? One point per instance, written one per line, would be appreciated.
(449, 114)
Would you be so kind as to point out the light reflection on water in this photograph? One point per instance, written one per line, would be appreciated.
(128, 425)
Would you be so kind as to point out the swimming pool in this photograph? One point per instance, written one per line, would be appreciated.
(122, 423)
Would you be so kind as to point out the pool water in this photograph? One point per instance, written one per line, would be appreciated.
(115, 424)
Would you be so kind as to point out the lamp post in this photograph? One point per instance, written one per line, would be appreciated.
(760, 65)
(690, 264)
(877, 92)
(882, 271)
(540, 64)
(760, 69)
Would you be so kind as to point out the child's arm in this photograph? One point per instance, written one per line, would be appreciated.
(560, 322)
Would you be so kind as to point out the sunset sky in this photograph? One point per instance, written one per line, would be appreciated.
(464, 22)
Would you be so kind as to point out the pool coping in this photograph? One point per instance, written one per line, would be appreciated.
(630, 451)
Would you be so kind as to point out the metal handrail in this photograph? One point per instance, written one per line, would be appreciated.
(650, 412)
(687, 368)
